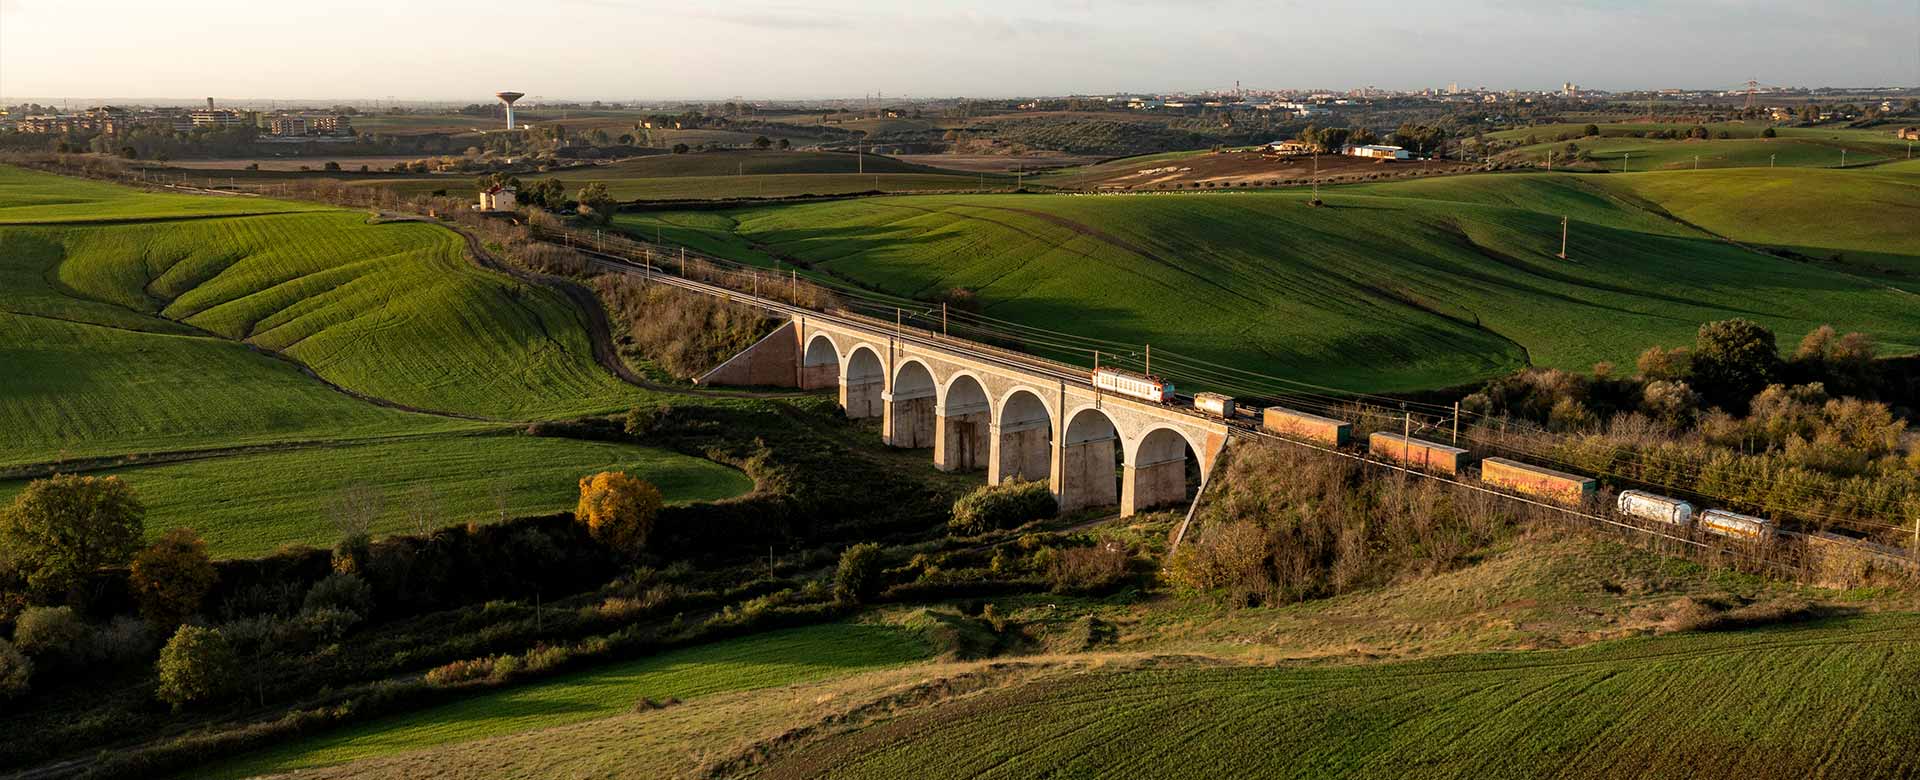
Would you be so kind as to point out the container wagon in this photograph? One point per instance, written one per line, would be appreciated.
(1414, 452)
(1131, 385)
(1658, 508)
(1735, 525)
(1300, 425)
(1557, 486)
(1213, 403)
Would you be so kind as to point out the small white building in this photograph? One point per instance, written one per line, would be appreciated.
(497, 198)
(1379, 152)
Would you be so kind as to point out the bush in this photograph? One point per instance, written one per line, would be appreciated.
(461, 671)
(16, 671)
(51, 633)
(328, 624)
(124, 640)
(1007, 505)
(859, 573)
(618, 509)
(1093, 569)
(346, 592)
(172, 577)
(196, 665)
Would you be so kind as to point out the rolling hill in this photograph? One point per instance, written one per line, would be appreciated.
(1392, 286)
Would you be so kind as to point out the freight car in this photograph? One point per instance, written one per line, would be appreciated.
(1415, 452)
(1737, 526)
(1558, 486)
(1658, 508)
(1301, 425)
(1214, 404)
(1131, 385)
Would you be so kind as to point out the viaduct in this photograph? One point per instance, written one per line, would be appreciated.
(977, 407)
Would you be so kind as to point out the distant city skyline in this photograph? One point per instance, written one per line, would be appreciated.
(439, 51)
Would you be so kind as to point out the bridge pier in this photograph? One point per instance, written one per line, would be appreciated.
(1019, 451)
(863, 398)
(1084, 475)
(960, 437)
(909, 419)
(1150, 485)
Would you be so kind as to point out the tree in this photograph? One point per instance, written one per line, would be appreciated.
(598, 201)
(196, 665)
(330, 166)
(51, 633)
(1769, 133)
(680, 149)
(16, 672)
(762, 142)
(858, 576)
(1590, 131)
(1732, 360)
(63, 527)
(172, 577)
(785, 144)
(619, 509)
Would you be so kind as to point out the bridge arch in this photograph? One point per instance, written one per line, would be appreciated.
(963, 419)
(1020, 445)
(1088, 474)
(1161, 466)
(910, 402)
(863, 383)
(819, 363)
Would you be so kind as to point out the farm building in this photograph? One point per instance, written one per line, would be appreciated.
(497, 198)
(1378, 152)
(1291, 147)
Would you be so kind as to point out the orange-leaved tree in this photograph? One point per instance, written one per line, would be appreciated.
(172, 576)
(618, 509)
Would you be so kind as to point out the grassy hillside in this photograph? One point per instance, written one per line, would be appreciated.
(1392, 286)
(147, 331)
(1829, 700)
(757, 662)
(249, 505)
(756, 162)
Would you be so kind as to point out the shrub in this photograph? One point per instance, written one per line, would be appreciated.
(196, 665)
(1088, 569)
(345, 592)
(328, 624)
(16, 671)
(51, 633)
(172, 577)
(65, 526)
(122, 641)
(1007, 505)
(465, 670)
(618, 509)
(1732, 360)
(858, 576)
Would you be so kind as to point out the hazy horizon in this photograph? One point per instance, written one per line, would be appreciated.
(437, 51)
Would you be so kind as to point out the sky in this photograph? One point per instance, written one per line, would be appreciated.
(791, 49)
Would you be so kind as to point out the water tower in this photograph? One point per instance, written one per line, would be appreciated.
(508, 98)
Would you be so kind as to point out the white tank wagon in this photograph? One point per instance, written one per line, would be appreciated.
(1734, 525)
(1214, 404)
(1658, 508)
(1131, 385)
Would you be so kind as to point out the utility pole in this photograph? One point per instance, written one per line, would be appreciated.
(1149, 360)
(1626, 161)
(1563, 237)
(1843, 158)
(1770, 160)
(1549, 161)
(1456, 423)
(683, 262)
(1316, 175)
(1696, 162)
(943, 318)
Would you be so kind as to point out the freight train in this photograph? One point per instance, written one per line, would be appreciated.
(1557, 487)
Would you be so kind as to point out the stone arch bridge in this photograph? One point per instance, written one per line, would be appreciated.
(979, 407)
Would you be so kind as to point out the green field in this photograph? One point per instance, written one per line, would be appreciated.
(248, 505)
(150, 330)
(1829, 700)
(1814, 147)
(762, 661)
(1393, 286)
